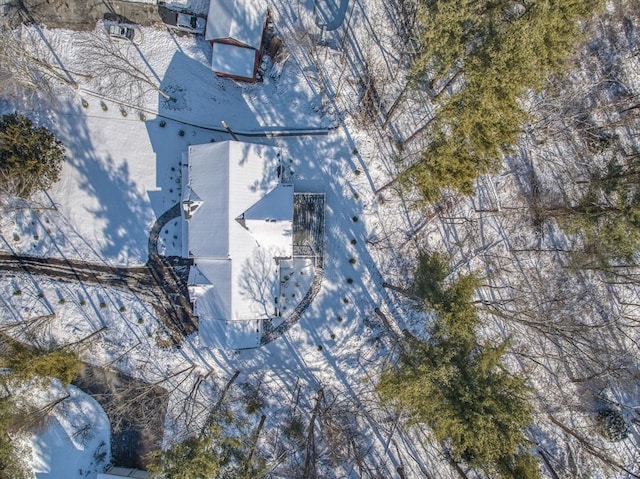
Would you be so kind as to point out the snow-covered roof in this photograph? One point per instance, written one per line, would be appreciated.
(226, 179)
(270, 220)
(242, 221)
(233, 60)
(239, 20)
(120, 472)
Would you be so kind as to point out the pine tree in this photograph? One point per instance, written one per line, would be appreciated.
(193, 458)
(608, 214)
(455, 383)
(27, 363)
(30, 157)
(497, 50)
(223, 449)
(11, 465)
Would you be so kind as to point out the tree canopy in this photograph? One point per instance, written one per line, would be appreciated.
(11, 463)
(607, 215)
(219, 451)
(489, 53)
(26, 363)
(457, 384)
(30, 157)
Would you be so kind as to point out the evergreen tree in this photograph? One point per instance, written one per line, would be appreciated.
(193, 458)
(27, 363)
(608, 214)
(30, 157)
(497, 50)
(219, 452)
(11, 465)
(458, 385)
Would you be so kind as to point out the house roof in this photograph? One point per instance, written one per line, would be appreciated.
(242, 221)
(270, 220)
(239, 20)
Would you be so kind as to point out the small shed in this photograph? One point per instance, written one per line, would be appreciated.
(120, 472)
(235, 30)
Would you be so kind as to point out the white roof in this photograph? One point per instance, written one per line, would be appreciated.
(226, 179)
(240, 20)
(243, 222)
(270, 220)
(120, 472)
(233, 60)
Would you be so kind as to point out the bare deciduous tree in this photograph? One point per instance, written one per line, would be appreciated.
(121, 67)
(30, 66)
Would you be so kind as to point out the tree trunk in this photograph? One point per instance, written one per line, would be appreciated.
(310, 458)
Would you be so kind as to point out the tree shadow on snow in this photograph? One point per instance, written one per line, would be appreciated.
(118, 203)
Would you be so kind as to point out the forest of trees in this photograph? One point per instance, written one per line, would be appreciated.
(488, 66)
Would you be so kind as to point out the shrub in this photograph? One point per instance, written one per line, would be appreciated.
(294, 429)
(611, 425)
(253, 398)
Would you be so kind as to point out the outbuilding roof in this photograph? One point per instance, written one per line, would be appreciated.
(239, 20)
(233, 61)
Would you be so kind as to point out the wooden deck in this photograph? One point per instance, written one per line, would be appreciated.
(308, 226)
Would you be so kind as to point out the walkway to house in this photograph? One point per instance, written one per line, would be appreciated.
(163, 219)
(270, 333)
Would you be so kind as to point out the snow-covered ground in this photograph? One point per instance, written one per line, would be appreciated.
(75, 443)
(122, 173)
